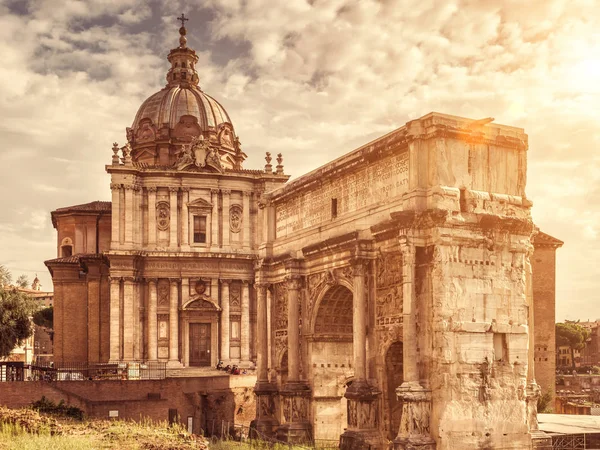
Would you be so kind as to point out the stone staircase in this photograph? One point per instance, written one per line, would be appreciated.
(195, 372)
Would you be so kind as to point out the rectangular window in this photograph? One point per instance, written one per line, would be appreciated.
(200, 229)
(334, 208)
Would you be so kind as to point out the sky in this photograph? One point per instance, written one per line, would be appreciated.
(312, 79)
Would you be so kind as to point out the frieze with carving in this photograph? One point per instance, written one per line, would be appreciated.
(280, 307)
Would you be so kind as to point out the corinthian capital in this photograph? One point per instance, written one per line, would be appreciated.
(294, 282)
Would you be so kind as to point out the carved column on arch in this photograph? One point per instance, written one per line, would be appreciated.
(414, 433)
(265, 422)
(295, 394)
(363, 398)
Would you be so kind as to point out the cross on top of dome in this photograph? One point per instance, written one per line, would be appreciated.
(182, 31)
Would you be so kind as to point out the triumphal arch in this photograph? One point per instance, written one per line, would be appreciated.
(383, 299)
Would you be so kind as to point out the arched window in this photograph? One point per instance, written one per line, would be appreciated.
(66, 247)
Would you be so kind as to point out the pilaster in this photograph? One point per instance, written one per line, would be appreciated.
(214, 222)
(174, 324)
(247, 242)
(226, 205)
(152, 320)
(116, 215)
(151, 217)
(129, 208)
(115, 316)
(225, 320)
(128, 318)
(173, 226)
(185, 218)
(245, 326)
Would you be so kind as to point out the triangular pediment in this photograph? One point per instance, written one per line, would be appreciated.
(200, 203)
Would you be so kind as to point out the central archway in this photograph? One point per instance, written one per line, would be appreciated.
(331, 359)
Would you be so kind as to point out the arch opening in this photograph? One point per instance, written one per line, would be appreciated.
(331, 361)
(394, 366)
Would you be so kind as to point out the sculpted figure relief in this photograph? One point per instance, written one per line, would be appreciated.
(198, 154)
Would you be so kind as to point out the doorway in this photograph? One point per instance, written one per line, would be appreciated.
(200, 344)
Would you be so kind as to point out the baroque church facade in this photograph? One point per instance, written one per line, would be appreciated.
(386, 296)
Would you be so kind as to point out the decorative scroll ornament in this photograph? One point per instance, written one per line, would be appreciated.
(235, 219)
(162, 215)
(198, 154)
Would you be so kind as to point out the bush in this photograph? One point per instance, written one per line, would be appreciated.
(543, 403)
(49, 407)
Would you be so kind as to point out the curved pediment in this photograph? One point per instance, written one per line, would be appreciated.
(201, 303)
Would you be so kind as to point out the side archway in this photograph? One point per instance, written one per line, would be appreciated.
(331, 358)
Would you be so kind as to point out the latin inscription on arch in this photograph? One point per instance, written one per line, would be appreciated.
(376, 182)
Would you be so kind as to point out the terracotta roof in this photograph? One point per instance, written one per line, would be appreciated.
(85, 207)
(543, 239)
(74, 259)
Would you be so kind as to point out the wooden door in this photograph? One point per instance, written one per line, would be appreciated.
(199, 344)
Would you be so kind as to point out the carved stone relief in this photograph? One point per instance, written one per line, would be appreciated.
(163, 294)
(235, 219)
(234, 296)
(162, 215)
(388, 307)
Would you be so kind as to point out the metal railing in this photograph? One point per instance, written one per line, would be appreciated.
(79, 371)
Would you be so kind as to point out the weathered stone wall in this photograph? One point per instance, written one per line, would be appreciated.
(211, 401)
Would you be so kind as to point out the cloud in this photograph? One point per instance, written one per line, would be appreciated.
(312, 80)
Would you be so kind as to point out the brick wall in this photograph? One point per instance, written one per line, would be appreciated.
(210, 401)
(544, 297)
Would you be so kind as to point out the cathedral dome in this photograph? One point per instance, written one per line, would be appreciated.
(182, 114)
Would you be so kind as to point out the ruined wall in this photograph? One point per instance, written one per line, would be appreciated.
(211, 401)
(478, 368)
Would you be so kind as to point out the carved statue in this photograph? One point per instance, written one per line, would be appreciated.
(186, 158)
(213, 159)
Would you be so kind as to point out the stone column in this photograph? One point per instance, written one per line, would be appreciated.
(185, 218)
(245, 326)
(174, 324)
(246, 220)
(115, 316)
(226, 193)
(363, 399)
(136, 319)
(173, 226)
(265, 422)
(295, 395)
(128, 214)
(116, 215)
(214, 219)
(225, 320)
(152, 217)
(185, 297)
(416, 400)
(152, 321)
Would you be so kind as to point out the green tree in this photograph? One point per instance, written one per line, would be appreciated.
(15, 325)
(23, 281)
(5, 276)
(572, 335)
(44, 317)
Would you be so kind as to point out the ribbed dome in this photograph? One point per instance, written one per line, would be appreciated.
(181, 115)
(168, 106)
